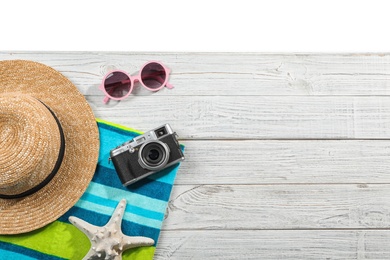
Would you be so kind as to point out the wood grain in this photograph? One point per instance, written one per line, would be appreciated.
(287, 155)
(274, 244)
(255, 117)
(214, 74)
(285, 162)
(253, 207)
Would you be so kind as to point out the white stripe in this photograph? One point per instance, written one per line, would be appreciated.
(135, 199)
(127, 216)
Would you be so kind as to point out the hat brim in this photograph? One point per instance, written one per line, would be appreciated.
(81, 146)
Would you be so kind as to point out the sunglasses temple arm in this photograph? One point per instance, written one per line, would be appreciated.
(105, 100)
(168, 85)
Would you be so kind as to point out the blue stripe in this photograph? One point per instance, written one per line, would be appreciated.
(129, 208)
(129, 216)
(134, 199)
(166, 177)
(148, 187)
(128, 228)
(14, 252)
(14, 255)
(109, 139)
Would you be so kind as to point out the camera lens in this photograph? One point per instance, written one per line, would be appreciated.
(154, 155)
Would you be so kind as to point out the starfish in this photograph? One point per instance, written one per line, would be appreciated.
(108, 242)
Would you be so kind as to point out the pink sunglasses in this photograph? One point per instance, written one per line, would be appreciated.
(118, 85)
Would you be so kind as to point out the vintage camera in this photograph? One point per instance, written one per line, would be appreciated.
(146, 154)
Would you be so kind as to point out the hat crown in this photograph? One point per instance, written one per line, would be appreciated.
(30, 142)
(76, 158)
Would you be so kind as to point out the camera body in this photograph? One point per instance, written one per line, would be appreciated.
(146, 154)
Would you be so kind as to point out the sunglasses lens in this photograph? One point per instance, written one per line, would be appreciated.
(153, 75)
(117, 84)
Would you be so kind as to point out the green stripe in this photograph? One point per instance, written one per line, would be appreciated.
(69, 242)
(143, 253)
(118, 126)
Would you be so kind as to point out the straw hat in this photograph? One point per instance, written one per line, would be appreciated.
(49, 145)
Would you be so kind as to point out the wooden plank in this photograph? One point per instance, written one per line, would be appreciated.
(278, 207)
(285, 162)
(274, 244)
(232, 73)
(257, 184)
(254, 117)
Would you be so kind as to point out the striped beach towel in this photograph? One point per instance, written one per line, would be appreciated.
(147, 201)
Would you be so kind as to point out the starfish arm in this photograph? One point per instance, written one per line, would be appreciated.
(90, 255)
(104, 239)
(118, 257)
(131, 242)
(88, 229)
(117, 216)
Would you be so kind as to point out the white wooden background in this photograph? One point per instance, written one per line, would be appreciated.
(287, 155)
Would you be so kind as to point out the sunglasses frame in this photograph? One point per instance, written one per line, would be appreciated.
(134, 79)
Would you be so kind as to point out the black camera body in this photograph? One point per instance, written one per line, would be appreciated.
(146, 154)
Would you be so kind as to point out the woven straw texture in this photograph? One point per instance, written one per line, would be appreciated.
(22, 83)
(30, 138)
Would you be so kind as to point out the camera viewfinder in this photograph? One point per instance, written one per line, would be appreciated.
(161, 132)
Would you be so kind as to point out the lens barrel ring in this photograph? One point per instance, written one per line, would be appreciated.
(153, 155)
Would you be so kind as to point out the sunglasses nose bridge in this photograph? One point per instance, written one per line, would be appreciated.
(136, 78)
